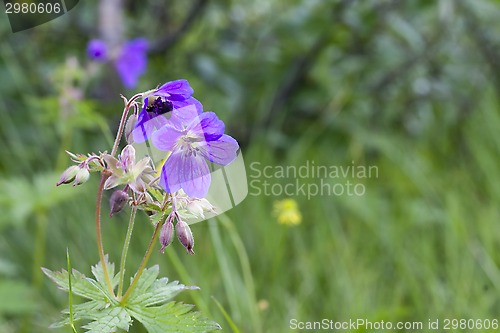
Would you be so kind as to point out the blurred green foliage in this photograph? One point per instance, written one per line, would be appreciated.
(411, 87)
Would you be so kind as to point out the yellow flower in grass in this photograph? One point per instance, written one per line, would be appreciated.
(287, 212)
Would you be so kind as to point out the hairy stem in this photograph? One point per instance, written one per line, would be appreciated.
(125, 250)
(144, 262)
(100, 247)
(128, 104)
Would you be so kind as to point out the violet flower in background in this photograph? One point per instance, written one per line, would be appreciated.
(97, 50)
(192, 142)
(172, 95)
(131, 62)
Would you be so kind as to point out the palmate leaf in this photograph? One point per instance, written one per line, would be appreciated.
(150, 303)
(103, 317)
(84, 286)
(152, 291)
(172, 317)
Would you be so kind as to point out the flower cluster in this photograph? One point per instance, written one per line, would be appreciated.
(174, 123)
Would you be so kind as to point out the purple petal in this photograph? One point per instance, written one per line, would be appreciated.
(143, 128)
(195, 176)
(188, 172)
(127, 158)
(97, 50)
(146, 126)
(143, 115)
(175, 90)
(166, 137)
(165, 180)
(182, 117)
(187, 102)
(222, 151)
(211, 127)
(132, 61)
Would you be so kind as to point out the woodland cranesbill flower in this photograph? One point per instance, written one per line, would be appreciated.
(192, 139)
(126, 171)
(157, 105)
(97, 50)
(130, 62)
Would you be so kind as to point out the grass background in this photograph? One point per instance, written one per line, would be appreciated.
(409, 87)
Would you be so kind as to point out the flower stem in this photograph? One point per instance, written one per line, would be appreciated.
(128, 103)
(100, 247)
(125, 250)
(144, 262)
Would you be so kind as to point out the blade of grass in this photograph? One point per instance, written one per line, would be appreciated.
(245, 268)
(226, 316)
(70, 296)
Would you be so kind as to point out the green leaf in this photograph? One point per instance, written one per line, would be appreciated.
(156, 218)
(152, 291)
(150, 303)
(172, 318)
(98, 272)
(83, 286)
(103, 317)
(152, 207)
(80, 284)
(107, 320)
(157, 194)
(103, 311)
(147, 304)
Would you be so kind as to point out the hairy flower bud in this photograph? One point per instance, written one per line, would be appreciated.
(82, 175)
(129, 127)
(166, 233)
(185, 236)
(127, 157)
(68, 175)
(117, 201)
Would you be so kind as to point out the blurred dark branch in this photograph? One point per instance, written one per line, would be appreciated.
(301, 67)
(486, 46)
(295, 76)
(170, 39)
(406, 66)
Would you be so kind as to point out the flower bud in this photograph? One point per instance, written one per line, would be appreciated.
(166, 233)
(185, 236)
(68, 175)
(117, 201)
(129, 127)
(82, 175)
(127, 158)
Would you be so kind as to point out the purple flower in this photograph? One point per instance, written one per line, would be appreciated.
(192, 139)
(97, 50)
(157, 106)
(130, 63)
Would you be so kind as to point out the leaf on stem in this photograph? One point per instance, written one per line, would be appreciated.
(149, 303)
